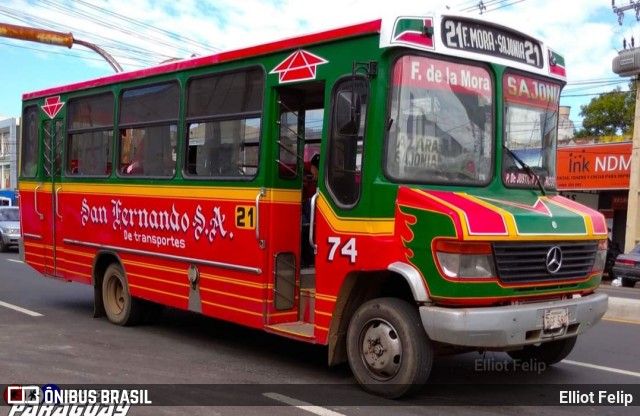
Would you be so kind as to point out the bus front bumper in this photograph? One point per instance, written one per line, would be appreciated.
(503, 327)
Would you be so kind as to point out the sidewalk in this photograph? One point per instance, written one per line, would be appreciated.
(623, 309)
(624, 303)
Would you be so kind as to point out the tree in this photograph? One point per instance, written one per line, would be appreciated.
(609, 114)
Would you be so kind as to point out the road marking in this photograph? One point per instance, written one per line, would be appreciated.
(624, 321)
(19, 309)
(15, 261)
(603, 368)
(321, 411)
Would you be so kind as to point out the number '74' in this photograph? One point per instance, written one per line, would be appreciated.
(348, 249)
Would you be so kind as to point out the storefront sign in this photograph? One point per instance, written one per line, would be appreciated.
(619, 201)
(597, 167)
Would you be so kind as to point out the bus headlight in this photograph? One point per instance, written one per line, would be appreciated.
(465, 260)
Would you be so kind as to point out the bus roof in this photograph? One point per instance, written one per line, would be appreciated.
(284, 44)
(454, 34)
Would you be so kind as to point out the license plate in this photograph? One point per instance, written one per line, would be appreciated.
(555, 318)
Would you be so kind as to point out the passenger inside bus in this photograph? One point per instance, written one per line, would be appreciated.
(310, 185)
(135, 167)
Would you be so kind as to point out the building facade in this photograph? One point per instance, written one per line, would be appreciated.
(9, 133)
(597, 174)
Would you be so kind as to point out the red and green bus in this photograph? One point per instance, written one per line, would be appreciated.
(432, 224)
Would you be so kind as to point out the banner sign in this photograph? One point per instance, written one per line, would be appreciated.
(605, 166)
(474, 36)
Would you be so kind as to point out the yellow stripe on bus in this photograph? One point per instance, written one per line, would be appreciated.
(155, 279)
(219, 292)
(356, 225)
(282, 314)
(65, 260)
(173, 191)
(232, 308)
(155, 267)
(326, 297)
(159, 291)
(73, 272)
(76, 253)
(232, 281)
(588, 221)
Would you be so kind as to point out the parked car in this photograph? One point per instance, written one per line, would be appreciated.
(9, 227)
(627, 267)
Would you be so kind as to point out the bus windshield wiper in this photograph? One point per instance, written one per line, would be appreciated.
(526, 168)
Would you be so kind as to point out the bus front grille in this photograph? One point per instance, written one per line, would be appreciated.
(527, 262)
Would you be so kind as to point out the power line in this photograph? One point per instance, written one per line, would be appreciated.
(161, 40)
(142, 56)
(180, 38)
(90, 58)
(488, 6)
(116, 26)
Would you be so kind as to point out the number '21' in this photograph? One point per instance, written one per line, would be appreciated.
(348, 249)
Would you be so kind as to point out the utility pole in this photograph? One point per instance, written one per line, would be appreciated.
(53, 38)
(627, 63)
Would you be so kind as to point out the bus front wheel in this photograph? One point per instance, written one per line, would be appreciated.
(388, 349)
(121, 308)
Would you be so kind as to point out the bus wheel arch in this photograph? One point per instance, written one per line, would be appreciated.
(358, 288)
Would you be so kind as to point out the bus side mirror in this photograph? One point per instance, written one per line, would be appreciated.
(348, 107)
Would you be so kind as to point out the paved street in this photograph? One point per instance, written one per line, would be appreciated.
(54, 339)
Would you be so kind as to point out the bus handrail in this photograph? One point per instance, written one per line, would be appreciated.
(35, 202)
(57, 203)
(262, 193)
(312, 220)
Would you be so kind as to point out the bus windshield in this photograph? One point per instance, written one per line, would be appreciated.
(530, 134)
(440, 122)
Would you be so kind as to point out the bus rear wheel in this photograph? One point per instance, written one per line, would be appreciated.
(121, 308)
(388, 349)
(549, 353)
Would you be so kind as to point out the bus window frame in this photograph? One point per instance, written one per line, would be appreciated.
(533, 185)
(119, 127)
(187, 121)
(332, 135)
(35, 157)
(71, 131)
(491, 173)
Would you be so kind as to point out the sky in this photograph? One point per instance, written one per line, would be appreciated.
(143, 33)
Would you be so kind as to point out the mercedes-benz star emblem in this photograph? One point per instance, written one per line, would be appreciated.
(554, 259)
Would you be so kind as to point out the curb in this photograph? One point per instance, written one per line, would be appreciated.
(623, 309)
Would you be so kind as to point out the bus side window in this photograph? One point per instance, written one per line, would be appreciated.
(224, 115)
(90, 135)
(346, 144)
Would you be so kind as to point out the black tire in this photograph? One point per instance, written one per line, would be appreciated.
(627, 282)
(3, 247)
(549, 353)
(388, 349)
(121, 308)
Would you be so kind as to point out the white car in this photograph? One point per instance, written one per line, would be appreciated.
(9, 227)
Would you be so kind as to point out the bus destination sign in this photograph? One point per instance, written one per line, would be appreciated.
(477, 37)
